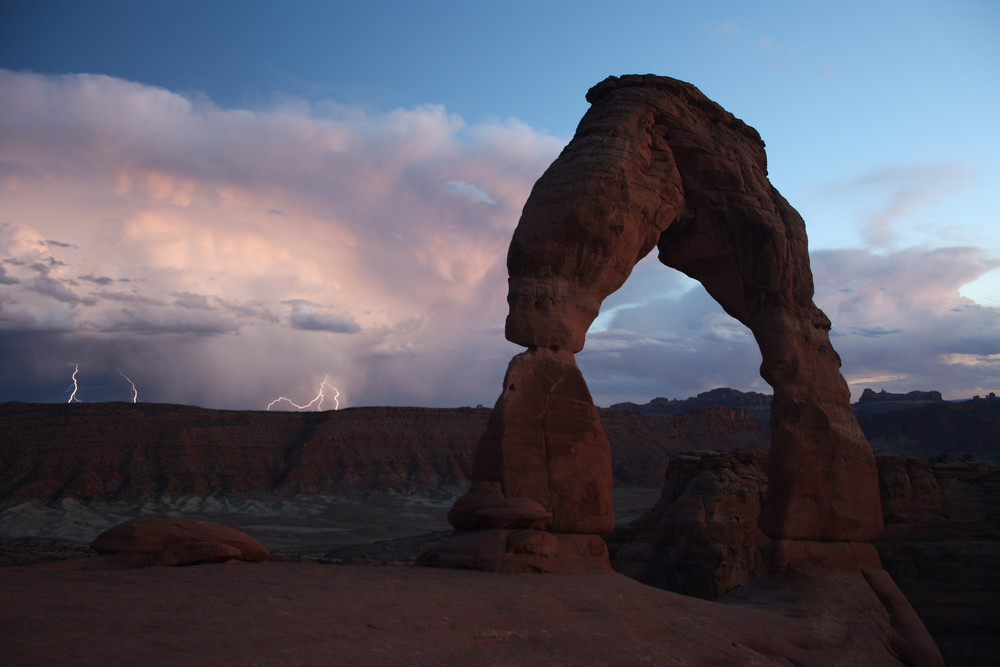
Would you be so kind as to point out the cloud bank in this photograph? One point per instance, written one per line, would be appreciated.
(224, 257)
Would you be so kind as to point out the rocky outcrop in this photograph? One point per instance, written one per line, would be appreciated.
(544, 447)
(941, 540)
(545, 444)
(701, 538)
(168, 541)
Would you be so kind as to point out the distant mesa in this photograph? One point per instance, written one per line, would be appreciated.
(870, 396)
(756, 403)
(722, 396)
(870, 402)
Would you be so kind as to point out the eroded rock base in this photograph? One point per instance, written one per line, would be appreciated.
(849, 556)
(505, 550)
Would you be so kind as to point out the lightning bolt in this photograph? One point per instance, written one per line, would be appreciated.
(317, 400)
(135, 392)
(72, 396)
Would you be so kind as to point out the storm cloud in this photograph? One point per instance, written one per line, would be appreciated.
(224, 257)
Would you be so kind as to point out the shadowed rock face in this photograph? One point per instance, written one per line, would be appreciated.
(656, 163)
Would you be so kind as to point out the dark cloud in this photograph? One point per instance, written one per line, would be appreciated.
(305, 318)
(874, 331)
(55, 289)
(170, 321)
(97, 280)
(129, 298)
(194, 301)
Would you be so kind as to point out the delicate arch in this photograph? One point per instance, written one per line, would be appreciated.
(656, 163)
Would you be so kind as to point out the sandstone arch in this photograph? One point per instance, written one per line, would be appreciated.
(656, 163)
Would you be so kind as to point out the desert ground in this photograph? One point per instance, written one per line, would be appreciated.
(312, 614)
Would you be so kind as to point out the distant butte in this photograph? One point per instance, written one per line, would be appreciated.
(655, 163)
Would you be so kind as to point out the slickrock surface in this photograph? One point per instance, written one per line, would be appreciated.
(299, 614)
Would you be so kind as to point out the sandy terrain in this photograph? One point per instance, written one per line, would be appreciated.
(308, 614)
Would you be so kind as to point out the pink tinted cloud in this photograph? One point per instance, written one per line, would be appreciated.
(314, 240)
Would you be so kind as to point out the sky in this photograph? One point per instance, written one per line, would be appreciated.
(222, 203)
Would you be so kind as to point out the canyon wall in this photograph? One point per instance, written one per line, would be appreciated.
(124, 451)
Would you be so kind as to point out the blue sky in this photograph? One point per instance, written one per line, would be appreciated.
(230, 201)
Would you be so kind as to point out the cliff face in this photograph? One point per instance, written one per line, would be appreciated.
(941, 544)
(941, 540)
(637, 440)
(971, 427)
(123, 451)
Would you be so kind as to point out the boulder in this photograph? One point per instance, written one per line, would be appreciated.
(175, 541)
(701, 538)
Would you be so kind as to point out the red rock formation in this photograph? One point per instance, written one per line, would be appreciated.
(175, 541)
(701, 538)
(545, 443)
(656, 163)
